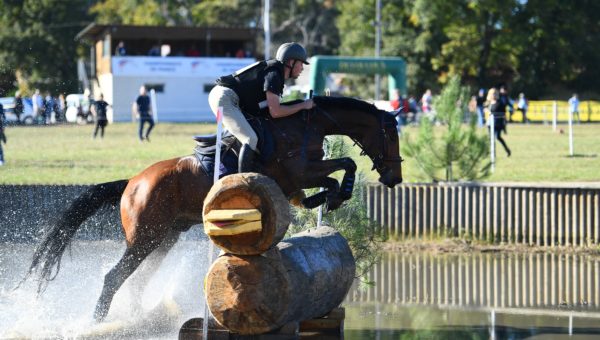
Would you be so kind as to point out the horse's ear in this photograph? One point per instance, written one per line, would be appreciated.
(397, 112)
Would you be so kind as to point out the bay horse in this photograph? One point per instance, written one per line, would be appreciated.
(166, 198)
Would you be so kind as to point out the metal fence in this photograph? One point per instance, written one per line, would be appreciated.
(525, 214)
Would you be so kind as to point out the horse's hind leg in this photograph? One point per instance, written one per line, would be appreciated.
(149, 267)
(131, 259)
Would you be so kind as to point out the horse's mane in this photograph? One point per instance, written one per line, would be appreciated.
(347, 103)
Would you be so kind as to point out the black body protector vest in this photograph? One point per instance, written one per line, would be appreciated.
(249, 84)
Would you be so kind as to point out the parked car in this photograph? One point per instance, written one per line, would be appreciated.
(27, 117)
(78, 109)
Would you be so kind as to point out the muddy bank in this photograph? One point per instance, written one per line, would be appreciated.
(457, 246)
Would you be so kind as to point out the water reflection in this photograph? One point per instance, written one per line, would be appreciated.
(485, 295)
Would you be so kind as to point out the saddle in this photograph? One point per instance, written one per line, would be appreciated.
(206, 151)
(206, 148)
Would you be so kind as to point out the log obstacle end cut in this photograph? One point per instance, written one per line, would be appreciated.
(304, 277)
(233, 206)
(232, 222)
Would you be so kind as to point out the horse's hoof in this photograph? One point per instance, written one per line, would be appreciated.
(315, 200)
(100, 313)
(333, 204)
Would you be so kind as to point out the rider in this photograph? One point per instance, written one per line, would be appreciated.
(255, 91)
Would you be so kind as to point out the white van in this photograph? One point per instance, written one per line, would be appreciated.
(78, 109)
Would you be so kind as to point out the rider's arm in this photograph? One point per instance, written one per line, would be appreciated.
(278, 111)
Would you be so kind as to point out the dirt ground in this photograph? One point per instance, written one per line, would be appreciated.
(458, 246)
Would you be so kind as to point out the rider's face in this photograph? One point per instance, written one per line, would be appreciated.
(298, 68)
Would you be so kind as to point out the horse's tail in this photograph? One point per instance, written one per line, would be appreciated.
(48, 254)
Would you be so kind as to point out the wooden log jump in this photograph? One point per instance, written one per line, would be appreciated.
(261, 284)
(304, 277)
(235, 205)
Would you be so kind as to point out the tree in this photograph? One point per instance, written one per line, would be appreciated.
(459, 151)
(36, 42)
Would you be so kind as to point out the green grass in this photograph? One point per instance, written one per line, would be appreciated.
(67, 154)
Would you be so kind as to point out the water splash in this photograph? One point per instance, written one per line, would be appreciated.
(172, 296)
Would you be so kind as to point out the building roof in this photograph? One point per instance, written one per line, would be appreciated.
(94, 31)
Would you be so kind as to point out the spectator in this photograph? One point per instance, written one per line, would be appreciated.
(2, 135)
(144, 112)
(413, 108)
(426, 102)
(61, 107)
(480, 105)
(87, 102)
(472, 108)
(574, 106)
(397, 103)
(99, 111)
(505, 102)
(120, 49)
(48, 107)
(192, 51)
(18, 108)
(154, 51)
(240, 53)
(498, 114)
(38, 103)
(522, 106)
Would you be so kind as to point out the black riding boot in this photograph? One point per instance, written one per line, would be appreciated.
(246, 159)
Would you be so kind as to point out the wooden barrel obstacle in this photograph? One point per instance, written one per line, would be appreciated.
(261, 284)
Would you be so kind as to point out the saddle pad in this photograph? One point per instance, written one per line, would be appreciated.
(228, 166)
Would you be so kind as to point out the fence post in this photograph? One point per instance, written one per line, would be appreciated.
(554, 115)
(571, 133)
(492, 142)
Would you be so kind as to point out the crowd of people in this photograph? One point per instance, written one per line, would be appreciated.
(47, 109)
(495, 102)
(158, 50)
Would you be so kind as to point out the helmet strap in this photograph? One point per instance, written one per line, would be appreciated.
(292, 67)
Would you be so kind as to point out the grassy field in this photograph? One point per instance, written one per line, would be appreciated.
(68, 154)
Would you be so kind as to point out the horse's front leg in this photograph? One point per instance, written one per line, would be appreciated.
(318, 177)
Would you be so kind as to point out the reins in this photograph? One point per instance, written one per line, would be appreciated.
(379, 160)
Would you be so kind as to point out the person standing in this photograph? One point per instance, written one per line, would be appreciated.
(99, 111)
(522, 106)
(574, 106)
(120, 49)
(480, 104)
(60, 108)
(505, 102)
(48, 107)
(426, 102)
(498, 114)
(144, 113)
(38, 105)
(18, 108)
(2, 134)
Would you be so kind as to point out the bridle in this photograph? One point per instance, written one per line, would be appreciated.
(378, 160)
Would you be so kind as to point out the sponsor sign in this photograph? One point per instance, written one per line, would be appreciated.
(177, 66)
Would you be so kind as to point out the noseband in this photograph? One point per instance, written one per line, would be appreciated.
(379, 160)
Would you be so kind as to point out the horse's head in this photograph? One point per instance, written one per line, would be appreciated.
(388, 162)
(374, 130)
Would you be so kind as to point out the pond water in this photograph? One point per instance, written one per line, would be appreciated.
(477, 296)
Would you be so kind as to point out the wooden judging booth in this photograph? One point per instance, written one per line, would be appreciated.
(262, 285)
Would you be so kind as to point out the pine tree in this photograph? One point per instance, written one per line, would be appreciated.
(456, 149)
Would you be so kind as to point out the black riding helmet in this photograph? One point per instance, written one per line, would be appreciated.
(293, 51)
